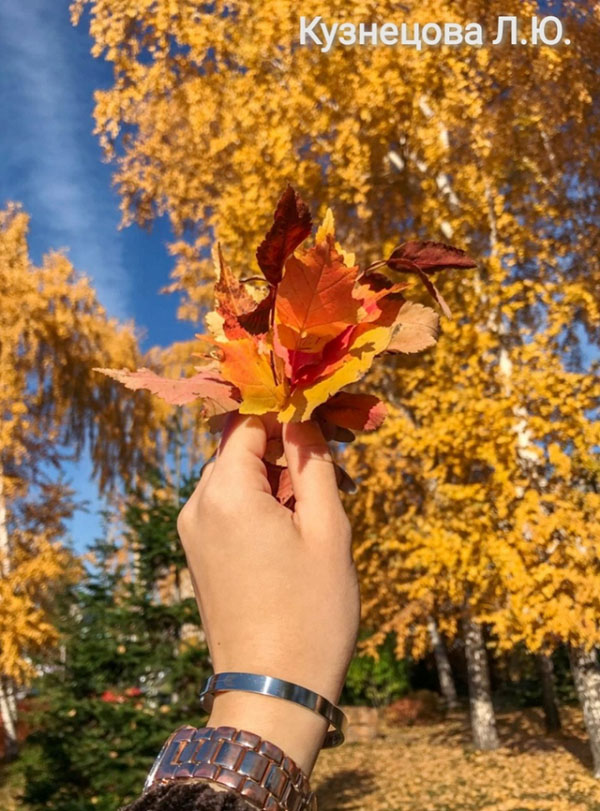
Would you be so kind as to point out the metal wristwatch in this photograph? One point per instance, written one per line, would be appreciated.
(254, 768)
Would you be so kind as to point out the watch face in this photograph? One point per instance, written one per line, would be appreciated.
(156, 764)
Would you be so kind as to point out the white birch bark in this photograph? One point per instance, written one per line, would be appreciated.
(442, 179)
(483, 719)
(586, 675)
(9, 721)
(8, 701)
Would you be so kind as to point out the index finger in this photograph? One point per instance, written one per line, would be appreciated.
(241, 451)
(311, 466)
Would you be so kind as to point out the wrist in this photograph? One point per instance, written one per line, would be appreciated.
(296, 730)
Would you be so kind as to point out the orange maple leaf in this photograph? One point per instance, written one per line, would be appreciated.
(315, 302)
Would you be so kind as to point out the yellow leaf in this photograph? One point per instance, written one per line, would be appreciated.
(327, 227)
(250, 370)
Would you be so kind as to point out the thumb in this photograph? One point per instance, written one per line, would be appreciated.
(310, 464)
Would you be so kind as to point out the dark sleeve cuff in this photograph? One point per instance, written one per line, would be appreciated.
(188, 796)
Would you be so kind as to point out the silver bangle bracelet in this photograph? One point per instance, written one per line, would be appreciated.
(270, 686)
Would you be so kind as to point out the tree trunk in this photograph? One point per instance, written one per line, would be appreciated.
(545, 668)
(443, 665)
(9, 719)
(483, 720)
(8, 700)
(586, 675)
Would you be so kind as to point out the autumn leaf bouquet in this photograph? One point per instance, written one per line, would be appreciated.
(317, 327)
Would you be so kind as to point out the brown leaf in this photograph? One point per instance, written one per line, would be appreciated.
(417, 328)
(231, 295)
(425, 258)
(356, 412)
(237, 307)
(428, 257)
(208, 385)
(281, 484)
(257, 320)
(333, 433)
(285, 491)
(344, 481)
(292, 224)
(435, 294)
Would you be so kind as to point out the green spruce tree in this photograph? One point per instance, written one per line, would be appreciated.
(129, 669)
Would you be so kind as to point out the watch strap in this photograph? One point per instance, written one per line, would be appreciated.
(256, 769)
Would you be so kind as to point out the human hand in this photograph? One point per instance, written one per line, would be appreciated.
(277, 590)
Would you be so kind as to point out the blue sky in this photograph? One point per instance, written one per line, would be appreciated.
(52, 164)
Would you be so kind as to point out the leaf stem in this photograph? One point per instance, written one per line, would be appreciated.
(272, 328)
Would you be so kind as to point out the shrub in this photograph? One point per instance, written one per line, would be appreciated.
(376, 683)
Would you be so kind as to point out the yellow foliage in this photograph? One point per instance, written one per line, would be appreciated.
(52, 332)
(480, 491)
(25, 625)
